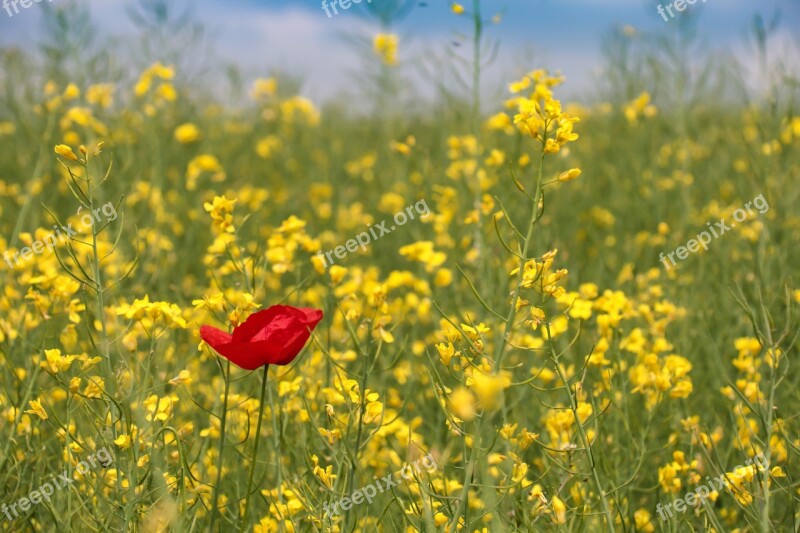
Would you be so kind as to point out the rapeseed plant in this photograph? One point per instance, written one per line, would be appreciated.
(523, 335)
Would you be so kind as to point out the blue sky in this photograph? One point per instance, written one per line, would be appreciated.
(298, 37)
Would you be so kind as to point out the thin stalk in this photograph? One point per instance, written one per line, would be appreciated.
(512, 312)
(476, 117)
(476, 68)
(771, 352)
(465, 486)
(276, 439)
(223, 418)
(354, 466)
(255, 447)
(573, 404)
(111, 383)
(501, 345)
(99, 285)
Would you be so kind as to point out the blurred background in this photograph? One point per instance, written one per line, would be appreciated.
(297, 38)
(243, 137)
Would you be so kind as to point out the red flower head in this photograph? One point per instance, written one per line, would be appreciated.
(273, 336)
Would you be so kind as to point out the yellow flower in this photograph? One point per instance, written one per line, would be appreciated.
(69, 337)
(55, 362)
(200, 164)
(462, 404)
(423, 251)
(147, 312)
(183, 378)
(159, 408)
(299, 107)
(211, 303)
(337, 273)
(142, 86)
(569, 175)
(65, 151)
(518, 472)
(7, 128)
(499, 121)
(443, 278)
(187, 133)
(457, 8)
(264, 88)
(638, 107)
(330, 435)
(536, 493)
(71, 92)
(403, 147)
(559, 511)
(489, 389)
(537, 317)
(446, 352)
(541, 277)
(268, 146)
(95, 388)
(221, 213)
(642, 519)
(123, 441)
(326, 475)
(101, 94)
(157, 70)
(163, 72)
(37, 409)
(496, 158)
(167, 92)
(385, 45)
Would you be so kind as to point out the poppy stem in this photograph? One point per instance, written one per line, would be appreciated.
(215, 498)
(255, 448)
(276, 439)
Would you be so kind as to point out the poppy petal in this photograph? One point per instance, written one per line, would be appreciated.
(272, 336)
(214, 337)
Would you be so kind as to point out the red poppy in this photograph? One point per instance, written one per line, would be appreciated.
(273, 336)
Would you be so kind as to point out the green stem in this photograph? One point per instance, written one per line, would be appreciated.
(584, 439)
(766, 526)
(276, 439)
(111, 382)
(476, 117)
(512, 312)
(215, 498)
(354, 465)
(501, 345)
(99, 289)
(476, 68)
(255, 447)
(468, 472)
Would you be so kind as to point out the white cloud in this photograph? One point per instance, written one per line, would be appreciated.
(308, 44)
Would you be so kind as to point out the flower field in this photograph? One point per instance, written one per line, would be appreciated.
(477, 314)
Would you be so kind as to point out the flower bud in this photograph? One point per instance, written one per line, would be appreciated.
(570, 174)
